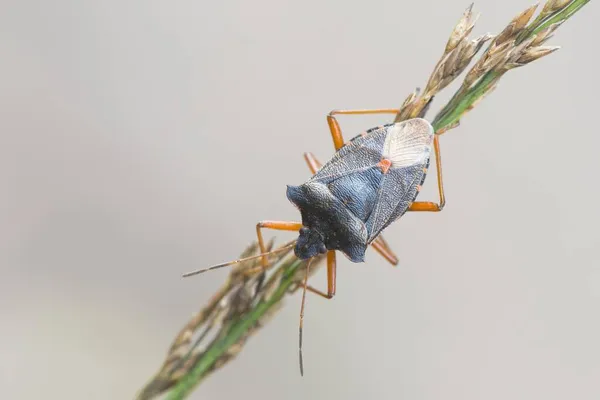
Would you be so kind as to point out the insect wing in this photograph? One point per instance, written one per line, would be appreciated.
(408, 146)
(397, 191)
(359, 154)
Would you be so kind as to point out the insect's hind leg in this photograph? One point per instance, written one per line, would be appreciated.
(379, 244)
(334, 126)
(428, 205)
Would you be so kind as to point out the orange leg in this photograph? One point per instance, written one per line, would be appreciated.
(427, 205)
(278, 225)
(313, 164)
(295, 226)
(331, 270)
(334, 126)
(379, 244)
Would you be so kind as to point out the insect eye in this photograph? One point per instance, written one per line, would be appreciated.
(303, 230)
(322, 249)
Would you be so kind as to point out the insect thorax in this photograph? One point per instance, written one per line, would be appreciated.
(325, 215)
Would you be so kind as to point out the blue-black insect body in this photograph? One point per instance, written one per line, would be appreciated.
(368, 183)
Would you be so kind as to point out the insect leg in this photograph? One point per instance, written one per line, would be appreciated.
(278, 225)
(331, 270)
(313, 164)
(295, 226)
(331, 273)
(334, 126)
(427, 205)
(381, 246)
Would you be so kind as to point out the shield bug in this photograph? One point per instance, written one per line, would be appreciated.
(371, 181)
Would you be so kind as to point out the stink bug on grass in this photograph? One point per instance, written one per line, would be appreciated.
(370, 182)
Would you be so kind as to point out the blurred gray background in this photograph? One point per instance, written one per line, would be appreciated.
(142, 139)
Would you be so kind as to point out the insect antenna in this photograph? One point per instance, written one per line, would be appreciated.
(308, 262)
(203, 270)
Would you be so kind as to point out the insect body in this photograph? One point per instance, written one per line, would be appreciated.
(370, 182)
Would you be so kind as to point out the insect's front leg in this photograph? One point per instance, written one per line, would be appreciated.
(277, 225)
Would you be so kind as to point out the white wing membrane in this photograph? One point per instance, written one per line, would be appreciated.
(408, 143)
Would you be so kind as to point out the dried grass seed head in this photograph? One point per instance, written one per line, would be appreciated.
(552, 7)
(462, 29)
(543, 36)
(536, 53)
(516, 26)
(523, 19)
